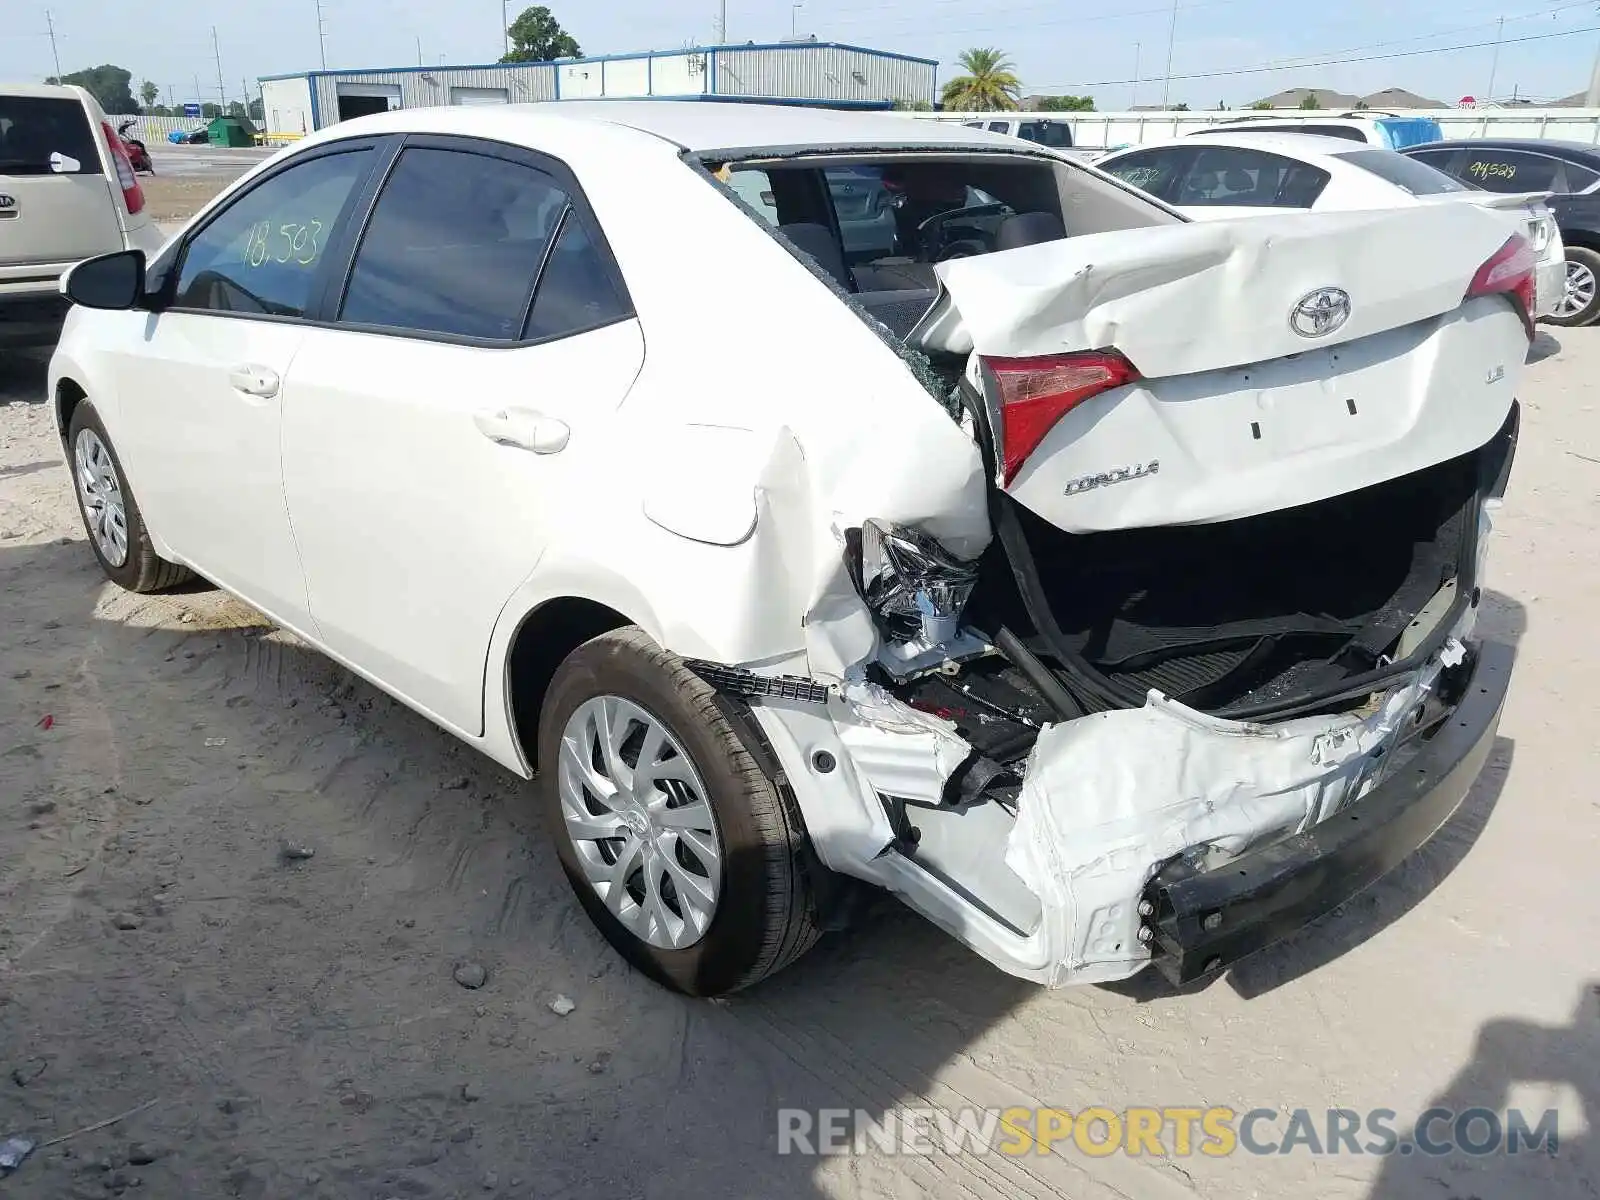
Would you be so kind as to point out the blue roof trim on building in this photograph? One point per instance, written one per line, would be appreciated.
(634, 54)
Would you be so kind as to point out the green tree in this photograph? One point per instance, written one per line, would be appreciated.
(1310, 101)
(912, 106)
(536, 36)
(1066, 103)
(990, 83)
(149, 93)
(209, 110)
(110, 85)
(258, 110)
(1262, 105)
(1361, 105)
(1180, 108)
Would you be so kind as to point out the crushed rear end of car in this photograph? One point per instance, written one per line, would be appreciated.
(1214, 672)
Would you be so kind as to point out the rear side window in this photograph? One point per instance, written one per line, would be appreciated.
(577, 289)
(1510, 170)
(457, 242)
(262, 254)
(1407, 174)
(1046, 133)
(1579, 178)
(454, 245)
(1238, 178)
(32, 128)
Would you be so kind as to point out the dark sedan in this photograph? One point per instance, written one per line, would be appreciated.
(1570, 171)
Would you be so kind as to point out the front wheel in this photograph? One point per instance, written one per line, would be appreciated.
(111, 517)
(1580, 299)
(684, 849)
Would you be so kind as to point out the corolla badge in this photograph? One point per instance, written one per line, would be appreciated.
(1319, 313)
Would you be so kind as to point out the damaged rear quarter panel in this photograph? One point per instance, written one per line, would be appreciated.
(756, 370)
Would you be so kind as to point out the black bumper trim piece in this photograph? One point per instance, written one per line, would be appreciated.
(736, 681)
(1203, 921)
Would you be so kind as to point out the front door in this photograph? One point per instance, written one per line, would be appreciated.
(202, 381)
(483, 346)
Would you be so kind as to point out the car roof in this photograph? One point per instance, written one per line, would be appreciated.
(57, 91)
(691, 125)
(1562, 149)
(1309, 147)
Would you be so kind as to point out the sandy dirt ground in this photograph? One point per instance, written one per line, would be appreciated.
(292, 1027)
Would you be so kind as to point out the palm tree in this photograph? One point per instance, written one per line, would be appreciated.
(990, 83)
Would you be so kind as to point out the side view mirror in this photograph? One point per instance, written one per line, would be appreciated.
(114, 281)
(64, 164)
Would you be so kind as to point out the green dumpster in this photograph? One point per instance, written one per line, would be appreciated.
(230, 131)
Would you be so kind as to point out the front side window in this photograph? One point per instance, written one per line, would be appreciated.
(454, 245)
(262, 255)
(1152, 171)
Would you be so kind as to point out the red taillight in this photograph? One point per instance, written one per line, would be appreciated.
(132, 193)
(1509, 271)
(1035, 393)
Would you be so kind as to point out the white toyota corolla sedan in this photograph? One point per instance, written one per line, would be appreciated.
(1240, 172)
(812, 501)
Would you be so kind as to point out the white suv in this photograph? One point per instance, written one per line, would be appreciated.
(67, 192)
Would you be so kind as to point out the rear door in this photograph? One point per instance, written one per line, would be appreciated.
(52, 215)
(464, 392)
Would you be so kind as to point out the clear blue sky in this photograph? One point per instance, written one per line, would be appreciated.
(1086, 46)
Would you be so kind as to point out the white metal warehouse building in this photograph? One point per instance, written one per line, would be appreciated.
(808, 72)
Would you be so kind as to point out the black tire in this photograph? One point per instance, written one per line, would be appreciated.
(1586, 315)
(143, 570)
(766, 914)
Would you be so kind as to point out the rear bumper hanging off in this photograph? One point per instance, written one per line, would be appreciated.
(1203, 921)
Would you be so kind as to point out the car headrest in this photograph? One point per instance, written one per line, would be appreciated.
(818, 241)
(1237, 181)
(1028, 229)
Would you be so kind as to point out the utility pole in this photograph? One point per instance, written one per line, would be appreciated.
(322, 36)
(171, 104)
(1494, 65)
(722, 24)
(419, 52)
(1133, 94)
(1592, 100)
(505, 25)
(1172, 37)
(54, 53)
(794, 20)
(197, 98)
(222, 92)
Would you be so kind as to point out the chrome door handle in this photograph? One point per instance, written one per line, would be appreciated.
(253, 380)
(523, 428)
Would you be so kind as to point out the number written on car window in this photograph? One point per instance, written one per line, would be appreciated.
(261, 254)
(1492, 170)
(294, 242)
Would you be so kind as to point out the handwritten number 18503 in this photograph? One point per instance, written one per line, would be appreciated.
(291, 243)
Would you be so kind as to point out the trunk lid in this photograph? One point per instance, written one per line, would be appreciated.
(51, 217)
(1235, 413)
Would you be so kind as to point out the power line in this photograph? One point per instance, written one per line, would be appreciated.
(1333, 62)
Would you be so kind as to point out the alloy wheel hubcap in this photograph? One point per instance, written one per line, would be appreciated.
(104, 510)
(636, 811)
(1579, 292)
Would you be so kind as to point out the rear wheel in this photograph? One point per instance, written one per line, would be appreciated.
(680, 843)
(1580, 300)
(111, 517)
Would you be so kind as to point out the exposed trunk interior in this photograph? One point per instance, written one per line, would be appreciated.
(1238, 618)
